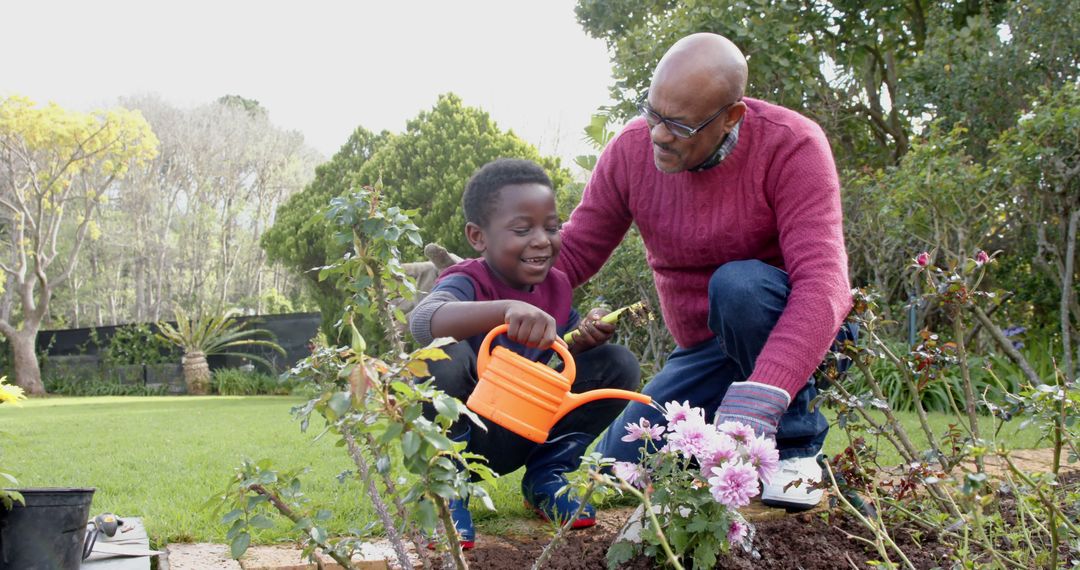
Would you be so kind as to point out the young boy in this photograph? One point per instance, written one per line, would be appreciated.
(512, 223)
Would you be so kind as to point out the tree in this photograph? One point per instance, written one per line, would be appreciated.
(301, 239)
(221, 334)
(427, 166)
(845, 63)
(184, 229)
(1039, 164)
(57, 165)
(423, 169)
(981, 72)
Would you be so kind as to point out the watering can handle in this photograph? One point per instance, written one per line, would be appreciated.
(569, 370)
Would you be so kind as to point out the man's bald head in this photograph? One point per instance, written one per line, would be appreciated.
(698, 83)
(703, 63)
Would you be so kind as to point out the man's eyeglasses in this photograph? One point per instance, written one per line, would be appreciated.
(676, 128)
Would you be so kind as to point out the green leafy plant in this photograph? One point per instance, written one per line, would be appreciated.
(376, 406)
(691, 488)
(12, 395)
(202, 336)
(1009, 518)
(237, 382)
(137, 344)
(76, 385)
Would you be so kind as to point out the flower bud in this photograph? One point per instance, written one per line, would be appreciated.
(981, 258)
(923, 259)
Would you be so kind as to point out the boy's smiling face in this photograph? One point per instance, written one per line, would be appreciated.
(521, 239)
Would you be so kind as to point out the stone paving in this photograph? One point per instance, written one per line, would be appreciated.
(380, 556)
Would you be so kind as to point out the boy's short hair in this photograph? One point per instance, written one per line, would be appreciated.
(482, 191)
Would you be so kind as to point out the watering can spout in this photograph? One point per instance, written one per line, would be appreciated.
(573, 401)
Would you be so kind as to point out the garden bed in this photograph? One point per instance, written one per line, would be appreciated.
(817, 540)
(809, 541)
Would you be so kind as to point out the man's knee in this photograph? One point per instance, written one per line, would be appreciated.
(746, 292)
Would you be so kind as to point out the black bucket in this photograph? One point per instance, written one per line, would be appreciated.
(48, 532)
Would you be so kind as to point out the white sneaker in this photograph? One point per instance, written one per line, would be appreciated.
(798, 497)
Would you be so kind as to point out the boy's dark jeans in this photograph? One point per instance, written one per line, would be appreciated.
(605, 366)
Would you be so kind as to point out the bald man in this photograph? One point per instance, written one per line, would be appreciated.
(738, 203)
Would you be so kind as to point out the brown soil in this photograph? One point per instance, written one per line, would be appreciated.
(806, 541)
(818, 540)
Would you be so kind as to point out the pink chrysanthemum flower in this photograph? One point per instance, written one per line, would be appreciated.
(733, 484)
(642, 430)
(739, 431)
(674, 412)
(737, 531)
(719, 449)
(762, 454)
(690, 436)
(629, 472)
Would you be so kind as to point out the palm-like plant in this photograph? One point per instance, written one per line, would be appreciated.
(203, 336)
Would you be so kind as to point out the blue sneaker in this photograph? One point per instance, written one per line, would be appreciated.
(545, 474)
(544, 500)
(459, 512)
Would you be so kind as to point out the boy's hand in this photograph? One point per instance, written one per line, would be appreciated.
(592, 331)
(530, 326)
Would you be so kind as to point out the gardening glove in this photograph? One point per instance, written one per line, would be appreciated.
(754, 404)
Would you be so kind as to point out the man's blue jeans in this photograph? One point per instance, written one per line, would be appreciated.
(746, 299)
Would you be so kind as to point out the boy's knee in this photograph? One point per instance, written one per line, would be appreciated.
(607, 366)
(625, 370)
(455, 375)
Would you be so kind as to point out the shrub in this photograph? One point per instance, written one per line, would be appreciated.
(238, 382)
(137, 344)
(81, 385)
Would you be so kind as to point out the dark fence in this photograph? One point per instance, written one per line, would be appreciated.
(79, 352)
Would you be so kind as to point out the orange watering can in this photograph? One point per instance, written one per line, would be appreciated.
(528, 397)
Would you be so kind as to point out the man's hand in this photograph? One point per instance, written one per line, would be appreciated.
(754, 404)
(529, 325)
(592, 331)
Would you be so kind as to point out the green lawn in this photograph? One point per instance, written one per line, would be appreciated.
(161, 458)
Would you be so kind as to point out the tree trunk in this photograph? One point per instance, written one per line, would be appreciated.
(196, 373)
(27, 371)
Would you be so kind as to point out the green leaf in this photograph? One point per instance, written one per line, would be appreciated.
(339, 403)
(438, 441)
(237, 526)
(413, 412)
(447, 406)
(620, 553)
(392, 432)
(382, 464)
(240, 545)
(261, 521)
(426, 515)
(231, 516)
(410, 443)
(256, 500)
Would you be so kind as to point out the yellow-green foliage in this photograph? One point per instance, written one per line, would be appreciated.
(58, 158)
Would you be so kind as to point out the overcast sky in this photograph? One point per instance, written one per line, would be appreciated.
(320, 67)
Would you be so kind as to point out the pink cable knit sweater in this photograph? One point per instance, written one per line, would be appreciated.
(775, 198)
